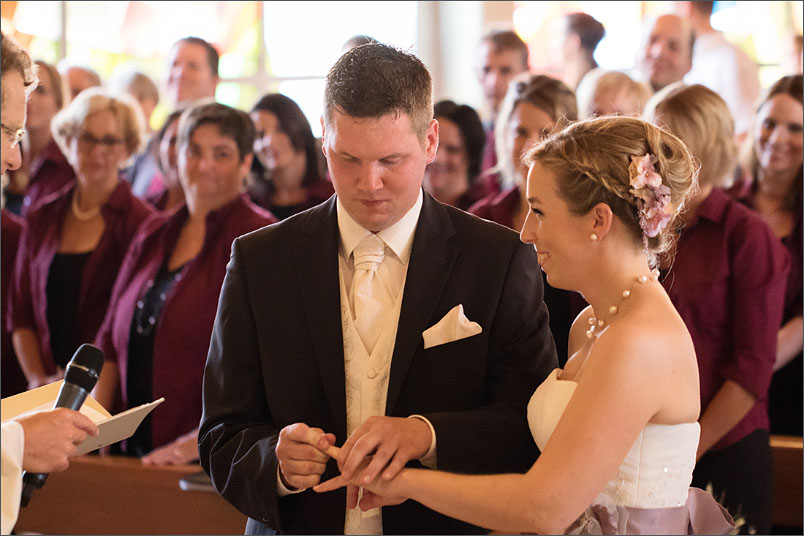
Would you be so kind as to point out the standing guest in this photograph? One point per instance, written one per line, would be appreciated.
(774, 190)
(288, 176)
(192, 71)
(604, 92)
(78, 77)
(453, 177)
(75, 238)
(725, 259)
(172, 193)
(42, 442)
(665, 54)
(722, 67)
(617, 426)
(324, 322)
(501, 55)
(44, 168)
(157, 329)
(536, 106)
(582, 33)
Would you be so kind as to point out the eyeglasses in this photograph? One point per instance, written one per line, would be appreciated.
(16, 134)
(107, 142)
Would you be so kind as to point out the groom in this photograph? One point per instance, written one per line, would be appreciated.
(409, 327)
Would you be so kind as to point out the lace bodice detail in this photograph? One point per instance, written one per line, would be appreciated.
(656, 472)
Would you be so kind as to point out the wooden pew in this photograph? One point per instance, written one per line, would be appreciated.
(787, 481)
(118, 495)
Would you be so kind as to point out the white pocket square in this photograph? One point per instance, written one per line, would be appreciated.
(453, 327)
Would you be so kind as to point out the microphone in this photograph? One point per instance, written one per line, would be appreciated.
(80, 378)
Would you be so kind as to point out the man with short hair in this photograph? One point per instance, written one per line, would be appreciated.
(382, 320)
(665, 55)
(192, 71)
(79, 78)
(44, 441)
(502, 55)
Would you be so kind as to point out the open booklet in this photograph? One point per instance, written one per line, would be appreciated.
(112, 428)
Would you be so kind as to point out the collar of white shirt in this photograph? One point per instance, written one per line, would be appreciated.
(398, 237)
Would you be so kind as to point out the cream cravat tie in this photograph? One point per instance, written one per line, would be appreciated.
(370, 298)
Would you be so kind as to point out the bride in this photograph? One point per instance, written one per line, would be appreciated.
(617, 427)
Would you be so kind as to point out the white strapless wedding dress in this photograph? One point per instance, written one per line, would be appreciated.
(650, 492)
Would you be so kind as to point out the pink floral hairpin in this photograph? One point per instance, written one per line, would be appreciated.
(653, 197)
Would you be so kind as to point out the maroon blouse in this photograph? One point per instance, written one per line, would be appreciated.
(13, 379)
(728, 283)
(50, 172)
(498, 207)
(122, 214)
(185, 325)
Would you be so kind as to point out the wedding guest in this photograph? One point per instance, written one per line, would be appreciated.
(453, 177)
(535, 106)
(192, 71)
(604, 92)
(11, 375)
(725, 258)
(582, 33)
(501, 55)
(75, 238)
(43, 169)
(78, 77)
(722, 67)
(617, 427)
(159, 321)
(774, 189)
(139, 86)
(665, 54)
(165, 139)
(288, 177)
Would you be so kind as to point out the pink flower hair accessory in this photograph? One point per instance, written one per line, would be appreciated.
(653, 197)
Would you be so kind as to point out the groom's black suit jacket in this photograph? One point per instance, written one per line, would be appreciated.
(276, 358)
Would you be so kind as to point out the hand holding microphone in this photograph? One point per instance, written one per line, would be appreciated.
(51, 448)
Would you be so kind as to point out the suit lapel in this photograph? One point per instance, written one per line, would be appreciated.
(431, 261)
(317, 267)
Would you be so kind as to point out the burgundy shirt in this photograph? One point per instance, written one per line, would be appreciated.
(13, 379)
(184, 328)
(728, 283)
(122, 214)
(50, 172)
(491, 181)
(498, 207)
(317, 192)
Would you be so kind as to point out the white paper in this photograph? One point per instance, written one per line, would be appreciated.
(112, 429)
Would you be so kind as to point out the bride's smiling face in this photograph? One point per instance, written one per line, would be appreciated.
(560, 238)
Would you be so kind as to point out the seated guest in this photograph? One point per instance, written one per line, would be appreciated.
(78, 77)
(582, 33)
(774, 190)
(44, 169)
(288, 176)
(75, 238)
(452, 177)
(139, 86)
(604, 92)
(726, 257)
(159, 321)
(13, 380)
(535, 106)
(171, 194)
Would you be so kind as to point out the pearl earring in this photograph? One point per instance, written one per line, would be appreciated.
(593, 236)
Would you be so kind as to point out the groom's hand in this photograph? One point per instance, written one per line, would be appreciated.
(301, 464)
(389, 442)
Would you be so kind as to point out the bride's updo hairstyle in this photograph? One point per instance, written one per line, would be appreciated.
(594, 161)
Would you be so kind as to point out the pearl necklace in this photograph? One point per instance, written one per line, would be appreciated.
(596, 326)
(80, 214)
